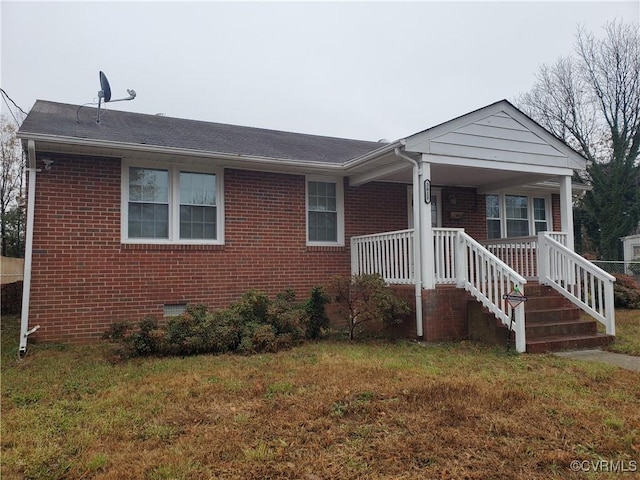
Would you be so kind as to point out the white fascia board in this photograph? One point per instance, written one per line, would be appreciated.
(357, 161)
(492, 165)
(240, 161)
(371, 175)
(510, 183)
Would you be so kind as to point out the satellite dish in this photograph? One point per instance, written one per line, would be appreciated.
(105, 94)
(105, 91)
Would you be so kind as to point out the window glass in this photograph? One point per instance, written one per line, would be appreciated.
(539, 215)
(516, 215)
(434, 211)
(493, 216)
(148, 203)
(323, 212)
(197, 205)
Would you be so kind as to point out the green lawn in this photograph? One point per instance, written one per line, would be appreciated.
(325, 410)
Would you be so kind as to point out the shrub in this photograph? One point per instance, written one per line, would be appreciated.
(367, 298)
(286, 316)
(259, 338)
(253, 306)
(253, 324)
(316, 312)
(626, 292)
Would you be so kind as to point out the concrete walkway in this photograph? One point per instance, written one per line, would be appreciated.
(618, 359)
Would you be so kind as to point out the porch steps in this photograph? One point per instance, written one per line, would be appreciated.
(552, 323)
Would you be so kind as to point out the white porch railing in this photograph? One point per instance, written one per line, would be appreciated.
(520, 252)
(459, 260)
(488, 279)
(579, 280)
(444, 249)
(389, 254)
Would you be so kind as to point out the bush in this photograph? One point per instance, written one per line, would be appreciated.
(252, 306)
(253, 324)
(367, 298)
(316, 313)
(626, 292)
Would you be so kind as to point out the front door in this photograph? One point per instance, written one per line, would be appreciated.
(436, 207)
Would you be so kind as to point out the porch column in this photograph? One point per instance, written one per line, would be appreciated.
(566, 209)
(426, 230)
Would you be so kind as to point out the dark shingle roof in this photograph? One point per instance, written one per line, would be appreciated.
(58, 119)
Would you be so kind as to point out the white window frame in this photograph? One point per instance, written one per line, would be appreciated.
(530, 213)
(339, 182)
(174, 170)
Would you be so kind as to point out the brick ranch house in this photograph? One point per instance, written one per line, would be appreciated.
(142, 214)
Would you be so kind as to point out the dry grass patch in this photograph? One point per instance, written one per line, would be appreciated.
(627, 332)
(320, 411)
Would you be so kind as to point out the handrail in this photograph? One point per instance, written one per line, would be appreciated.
(488, 279)
(583, 283)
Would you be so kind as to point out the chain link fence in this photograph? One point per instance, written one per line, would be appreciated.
(626, 268)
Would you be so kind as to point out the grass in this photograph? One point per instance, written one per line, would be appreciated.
(369, 410)
(627, 333)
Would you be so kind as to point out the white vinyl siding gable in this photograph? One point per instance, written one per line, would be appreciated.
(500, 134)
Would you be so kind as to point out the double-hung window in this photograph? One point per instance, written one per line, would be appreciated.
(516, 215)
(325, 211)
(171, 204)
(148, 203)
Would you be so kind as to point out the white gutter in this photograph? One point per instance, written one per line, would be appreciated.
(387, 148)
(175, 151)
(417, 240)
(28, 252)
(250, 161)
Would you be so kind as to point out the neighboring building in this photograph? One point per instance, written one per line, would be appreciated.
(141, 214)
(631, 253)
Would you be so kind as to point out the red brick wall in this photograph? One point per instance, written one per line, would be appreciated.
(444, 313)
(555, 212)
(458, 201)
(84, 279)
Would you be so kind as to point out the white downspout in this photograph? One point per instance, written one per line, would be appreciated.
(417, 241)
(28, 251)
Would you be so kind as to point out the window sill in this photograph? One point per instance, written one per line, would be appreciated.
(326, 248)
(209, 247)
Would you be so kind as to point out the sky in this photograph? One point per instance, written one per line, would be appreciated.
(362, 70)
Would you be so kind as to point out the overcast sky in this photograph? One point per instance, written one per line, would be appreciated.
(365, 70)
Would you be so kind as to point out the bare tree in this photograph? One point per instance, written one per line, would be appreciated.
(592, 102)
(10, 188)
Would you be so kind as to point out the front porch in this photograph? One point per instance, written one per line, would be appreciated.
(488, 271)
(490, 208)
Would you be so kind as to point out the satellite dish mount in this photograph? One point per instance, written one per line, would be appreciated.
(105, 93)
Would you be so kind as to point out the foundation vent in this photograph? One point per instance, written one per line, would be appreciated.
(174, 309)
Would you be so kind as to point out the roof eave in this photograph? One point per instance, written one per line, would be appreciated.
(203, 154)
(372, 155)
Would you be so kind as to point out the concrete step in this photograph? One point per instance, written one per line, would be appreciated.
(534, 289)
(556, 343)
(550, 315)
(560, 327)
(546, 302)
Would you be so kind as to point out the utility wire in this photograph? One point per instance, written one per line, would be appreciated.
(6, 96)
(10, 111)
